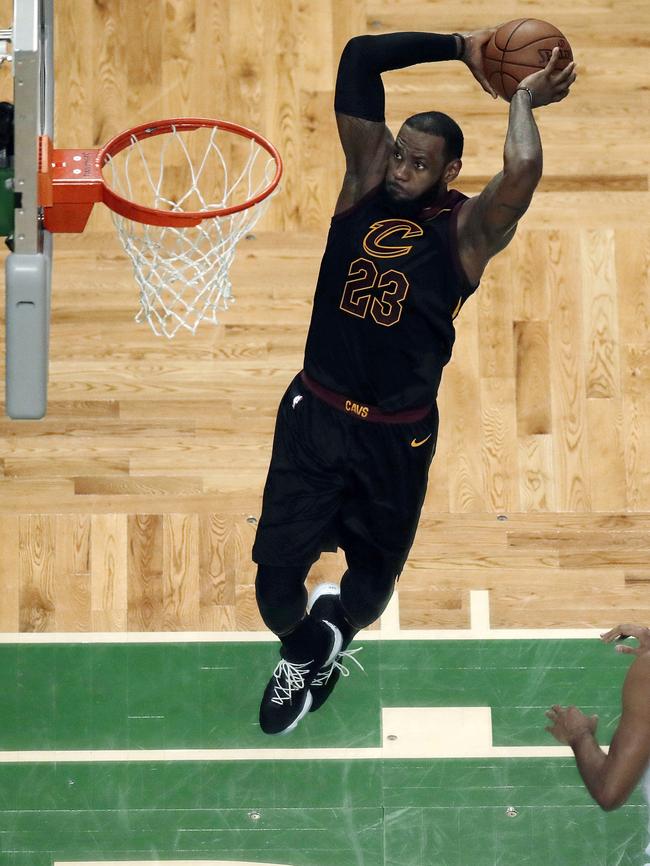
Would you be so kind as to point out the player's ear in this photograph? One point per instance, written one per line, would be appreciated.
(452, 170)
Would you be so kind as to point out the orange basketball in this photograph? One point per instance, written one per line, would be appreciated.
(519, 48)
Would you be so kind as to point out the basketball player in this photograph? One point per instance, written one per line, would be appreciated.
(611, 778)
(356, 429)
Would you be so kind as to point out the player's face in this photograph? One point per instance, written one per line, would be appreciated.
(418, 166)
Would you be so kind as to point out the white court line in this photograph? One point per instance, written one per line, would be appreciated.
(426, 732)
(92, 756)
(267, 637)
(479, 610)
(161, 863)
(408, 732)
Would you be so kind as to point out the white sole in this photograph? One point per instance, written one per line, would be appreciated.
(306, 707)
(323, 589)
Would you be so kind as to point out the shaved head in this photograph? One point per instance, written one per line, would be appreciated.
(437, 123)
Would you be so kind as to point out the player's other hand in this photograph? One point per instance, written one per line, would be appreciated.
(569, 724)
(550, 84)
(473, 56)
(620, 632)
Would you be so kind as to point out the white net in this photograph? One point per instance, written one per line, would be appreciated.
(183, 273)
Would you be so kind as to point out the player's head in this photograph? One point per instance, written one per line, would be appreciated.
(426, 157)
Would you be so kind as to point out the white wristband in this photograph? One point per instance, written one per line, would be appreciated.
(529, 92)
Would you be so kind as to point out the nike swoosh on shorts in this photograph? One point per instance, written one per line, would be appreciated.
(416, 444)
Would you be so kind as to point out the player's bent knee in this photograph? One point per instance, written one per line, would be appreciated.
(365, 595)
(281, 596)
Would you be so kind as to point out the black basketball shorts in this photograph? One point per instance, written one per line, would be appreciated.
(336, 479)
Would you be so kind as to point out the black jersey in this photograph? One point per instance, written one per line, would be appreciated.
(388, 291)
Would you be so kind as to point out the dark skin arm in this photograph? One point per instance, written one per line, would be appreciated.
(611, 778)
(367, 144)
(487, 222)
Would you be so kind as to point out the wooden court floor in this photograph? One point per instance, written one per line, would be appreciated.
(132, 505)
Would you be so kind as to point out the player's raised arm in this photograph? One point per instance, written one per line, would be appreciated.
(359, 100)
(487, 222)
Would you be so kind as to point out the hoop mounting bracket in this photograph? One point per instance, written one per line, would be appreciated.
(69, 183)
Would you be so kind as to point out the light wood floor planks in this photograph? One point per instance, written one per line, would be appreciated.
(132, 505)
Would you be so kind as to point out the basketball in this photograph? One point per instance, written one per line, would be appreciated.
(519, 48)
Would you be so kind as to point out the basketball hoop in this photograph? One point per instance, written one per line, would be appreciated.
(182, 192)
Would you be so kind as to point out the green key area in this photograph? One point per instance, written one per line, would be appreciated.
(301, 811)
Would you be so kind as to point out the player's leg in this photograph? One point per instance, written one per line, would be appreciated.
(364, 592)
(282, 602)
(281, 596)
(301, 499)
(379, 518)
(307, 645)
(378, 523)
(367, 586)
(362, 597)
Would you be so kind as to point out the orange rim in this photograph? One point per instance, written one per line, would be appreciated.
(154, 216)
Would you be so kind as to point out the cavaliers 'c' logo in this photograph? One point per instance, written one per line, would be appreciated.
(382, 241)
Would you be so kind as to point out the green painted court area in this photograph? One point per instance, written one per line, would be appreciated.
(301, 811)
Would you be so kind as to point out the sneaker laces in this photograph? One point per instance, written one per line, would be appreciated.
(289, 678)
(322, 677)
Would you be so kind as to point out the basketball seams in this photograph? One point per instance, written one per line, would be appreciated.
(509, 39)
(521, 23)
(517, 23)
(512, 65)
(505, 67)
(533, 42)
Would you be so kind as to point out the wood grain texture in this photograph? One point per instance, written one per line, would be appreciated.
(72, 611)
(532, 377)
(36, 545)
(499, 449)
(536, 481)
(462, 420)
(128, 506)
(567, 359)
(145, 572)
(601, 314)
(108, 572)
(10, 573)
(181, 584)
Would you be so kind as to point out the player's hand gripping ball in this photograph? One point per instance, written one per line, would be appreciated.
(519, 48)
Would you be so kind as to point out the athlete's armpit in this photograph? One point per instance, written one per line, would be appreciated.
(367, 146)
(488, 222)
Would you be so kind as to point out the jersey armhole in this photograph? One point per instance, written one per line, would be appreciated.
(357, 205)
(466, 286)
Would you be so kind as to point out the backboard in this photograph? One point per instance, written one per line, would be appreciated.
(28, 267)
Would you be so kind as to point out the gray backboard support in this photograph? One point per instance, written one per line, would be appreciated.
(28, 268)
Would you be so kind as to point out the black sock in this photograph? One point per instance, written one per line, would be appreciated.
(365, 594)
(337, 616)
(307, 642)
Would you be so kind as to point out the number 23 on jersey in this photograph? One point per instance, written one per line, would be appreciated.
(368, 291)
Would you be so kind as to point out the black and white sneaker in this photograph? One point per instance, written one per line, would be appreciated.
(324, 604)
(287, 698)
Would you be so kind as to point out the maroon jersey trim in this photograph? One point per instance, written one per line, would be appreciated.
(360, 410)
